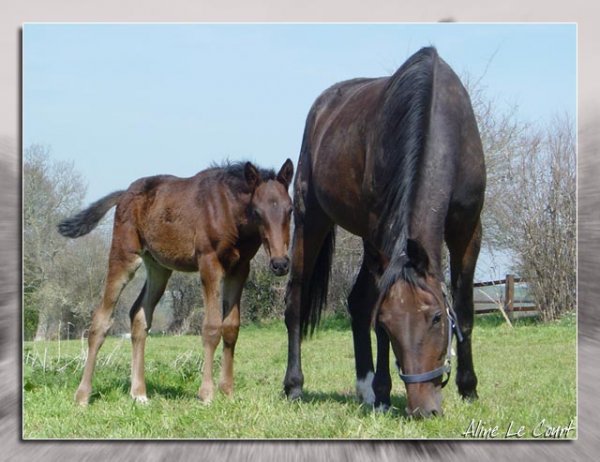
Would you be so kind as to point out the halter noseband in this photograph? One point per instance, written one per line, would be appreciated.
(447, 367)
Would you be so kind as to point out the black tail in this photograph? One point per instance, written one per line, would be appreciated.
(316, 290)
(86, 220)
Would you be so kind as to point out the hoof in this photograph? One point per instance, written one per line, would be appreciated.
(227, 390)
(470, 396)
(82, 397)
(142, 399)
(294, 393)
(205, 396)
(382, 408)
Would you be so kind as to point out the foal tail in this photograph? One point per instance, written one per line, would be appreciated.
(316, 290)
(86, 220)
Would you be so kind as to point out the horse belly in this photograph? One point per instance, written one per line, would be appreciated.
(173, 250)
(170, 237)
(339, 193)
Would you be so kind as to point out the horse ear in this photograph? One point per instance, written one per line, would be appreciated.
(286, 173)
(417, 255)
(252, 175)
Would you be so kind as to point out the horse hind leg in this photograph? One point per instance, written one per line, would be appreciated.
(121, 269)
(464, 251)
(141, 321)
(232, 292)
(310, 236)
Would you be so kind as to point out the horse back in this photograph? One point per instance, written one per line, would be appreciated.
(334, 159)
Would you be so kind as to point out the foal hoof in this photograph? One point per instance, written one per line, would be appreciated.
(82, 397)
(227, 390)
(205, 396)
(142, 399)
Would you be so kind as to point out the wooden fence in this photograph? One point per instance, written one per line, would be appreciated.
(509, 296)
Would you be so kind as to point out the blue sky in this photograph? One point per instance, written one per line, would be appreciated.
(123, 101)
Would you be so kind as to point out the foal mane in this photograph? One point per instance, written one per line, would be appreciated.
(404, 123)
(232, 173)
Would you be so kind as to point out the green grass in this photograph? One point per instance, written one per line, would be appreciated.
(526, 374)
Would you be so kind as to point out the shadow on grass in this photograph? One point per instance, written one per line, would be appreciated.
(397, 409)
(153, 390)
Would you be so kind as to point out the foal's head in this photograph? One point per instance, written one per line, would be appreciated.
(271, 210)
(413, 313)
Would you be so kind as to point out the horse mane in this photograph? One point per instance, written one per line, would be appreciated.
(404, 121)
(232, 173)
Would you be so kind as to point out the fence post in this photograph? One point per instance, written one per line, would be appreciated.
(509, 295)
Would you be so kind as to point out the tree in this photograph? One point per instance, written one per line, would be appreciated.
(185, 294)
(538, 214)
(51, 191)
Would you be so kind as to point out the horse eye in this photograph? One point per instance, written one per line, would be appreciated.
(436, 318)
(289, 211)
(256, 214)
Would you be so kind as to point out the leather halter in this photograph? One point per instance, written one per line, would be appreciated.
(447, 367)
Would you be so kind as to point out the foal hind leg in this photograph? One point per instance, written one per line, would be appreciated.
(211, 273)
(232, 292)
(122, 265)
(464, 250)
(141, 321)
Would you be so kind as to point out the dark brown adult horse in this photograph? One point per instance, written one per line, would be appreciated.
(214, 223)
(397, 161)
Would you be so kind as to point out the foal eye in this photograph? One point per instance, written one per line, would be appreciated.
(436, 318)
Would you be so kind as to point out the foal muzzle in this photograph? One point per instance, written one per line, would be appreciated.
(280, 266)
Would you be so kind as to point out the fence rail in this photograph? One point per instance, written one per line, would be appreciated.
(505, 301)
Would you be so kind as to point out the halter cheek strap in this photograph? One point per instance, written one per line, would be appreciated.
(447, 367)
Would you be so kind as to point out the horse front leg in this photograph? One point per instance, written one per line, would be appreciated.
(211, 273)
(382, 382)
(463, 258)
(232, 292)
(360, 305)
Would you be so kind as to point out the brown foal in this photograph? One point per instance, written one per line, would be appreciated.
(214, 223)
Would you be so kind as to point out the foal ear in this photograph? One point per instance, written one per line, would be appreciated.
(417, 255)
(286, 173)
(252, 175)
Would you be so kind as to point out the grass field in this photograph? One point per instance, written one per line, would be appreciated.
(527, 378)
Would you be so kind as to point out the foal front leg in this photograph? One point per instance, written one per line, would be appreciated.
(232, 292)
(211, 273)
